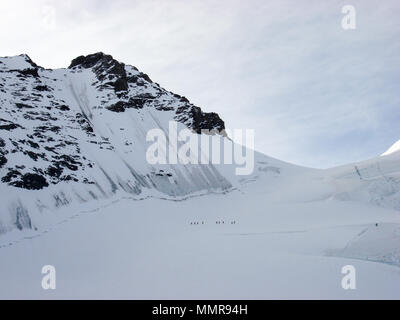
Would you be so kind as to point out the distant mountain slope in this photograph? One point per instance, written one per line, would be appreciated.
(394, 148)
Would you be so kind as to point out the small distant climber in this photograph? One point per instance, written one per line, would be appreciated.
(376, 224)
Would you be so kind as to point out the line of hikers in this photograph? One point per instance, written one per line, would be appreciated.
(216, 222)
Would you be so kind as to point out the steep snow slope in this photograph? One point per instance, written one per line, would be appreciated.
(75, 135)
(375, 181)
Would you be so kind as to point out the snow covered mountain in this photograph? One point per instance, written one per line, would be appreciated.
(73, 142)
(394, 148)
(78, 134)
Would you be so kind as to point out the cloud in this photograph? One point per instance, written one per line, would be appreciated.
(316, 94)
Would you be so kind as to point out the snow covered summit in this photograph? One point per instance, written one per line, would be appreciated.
(78, 134)
(394, 148)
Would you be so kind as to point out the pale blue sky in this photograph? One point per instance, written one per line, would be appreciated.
(315, 94)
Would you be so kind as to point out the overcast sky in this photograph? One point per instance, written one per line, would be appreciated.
(316, 94)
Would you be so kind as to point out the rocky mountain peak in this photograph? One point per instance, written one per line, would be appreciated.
(29, 60)
(54, 123)
(91, 60)
(104, 65)
(22, 64)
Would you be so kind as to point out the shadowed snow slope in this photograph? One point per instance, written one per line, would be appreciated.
(78, 193)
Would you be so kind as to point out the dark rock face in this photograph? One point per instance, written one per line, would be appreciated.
(198, 120)
(104, 66)
(118, 107)
(9, 126)
(23, 106)
(33, 181)
(3, 152)
(137, 102)
(54, 171)
(84, 123)
(3, 160)
(207, 121)
(63, 108)
(120, 84)
(30, 181)
(29, 72)
(42, 88)
(91, 60)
